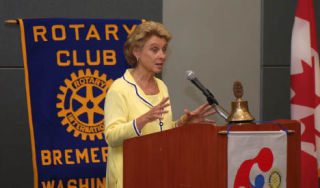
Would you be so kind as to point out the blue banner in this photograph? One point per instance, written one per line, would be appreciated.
(69, 66)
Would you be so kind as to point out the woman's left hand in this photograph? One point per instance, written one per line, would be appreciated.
(200, 114)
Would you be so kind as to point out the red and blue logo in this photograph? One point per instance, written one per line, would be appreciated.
(264, 160)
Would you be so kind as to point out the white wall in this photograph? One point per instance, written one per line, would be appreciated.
(220, 41)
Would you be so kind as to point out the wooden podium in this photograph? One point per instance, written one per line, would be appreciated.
(195, 156)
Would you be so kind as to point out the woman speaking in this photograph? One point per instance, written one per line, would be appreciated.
(138, 103)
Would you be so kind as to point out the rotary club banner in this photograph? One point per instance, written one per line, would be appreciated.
(257, 159)
(69, 66)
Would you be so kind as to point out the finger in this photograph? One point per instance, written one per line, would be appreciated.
(155, 116)
(187, 112)
(164, 105)
(209, 113)
(164, 100)
(203, 106)
(209, 121)
(158, 117)
(163, 111)
(158, 111)
(160, 106)
(207, 108)
(203, 110)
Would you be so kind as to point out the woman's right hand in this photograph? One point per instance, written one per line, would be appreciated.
(153, 114)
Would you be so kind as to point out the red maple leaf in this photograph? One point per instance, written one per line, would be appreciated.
(310, 131)
(303, 84)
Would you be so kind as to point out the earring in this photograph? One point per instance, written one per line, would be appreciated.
(137, 59)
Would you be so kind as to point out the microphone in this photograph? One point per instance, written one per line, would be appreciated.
(210, 98)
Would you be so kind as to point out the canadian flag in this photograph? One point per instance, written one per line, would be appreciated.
(305, 90)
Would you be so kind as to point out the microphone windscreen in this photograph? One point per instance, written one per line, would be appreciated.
(190, 75)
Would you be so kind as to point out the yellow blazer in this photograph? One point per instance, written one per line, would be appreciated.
(125, 102)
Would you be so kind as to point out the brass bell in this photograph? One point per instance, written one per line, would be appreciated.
(240, 112)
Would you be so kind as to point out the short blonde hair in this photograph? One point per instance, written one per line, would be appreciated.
(140, 35)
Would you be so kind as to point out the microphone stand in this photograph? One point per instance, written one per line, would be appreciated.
(213, 102)
(210, 98)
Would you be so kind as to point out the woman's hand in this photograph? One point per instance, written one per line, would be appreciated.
(153, 114)
(199, 114)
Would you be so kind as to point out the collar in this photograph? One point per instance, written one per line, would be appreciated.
(127, 77)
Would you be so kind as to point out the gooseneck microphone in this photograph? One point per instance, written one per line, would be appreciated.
(210, 98)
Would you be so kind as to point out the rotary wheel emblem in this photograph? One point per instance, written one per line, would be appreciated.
(275, 179)
(81, 104)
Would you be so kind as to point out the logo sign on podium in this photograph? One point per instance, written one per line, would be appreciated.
(257, 159)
